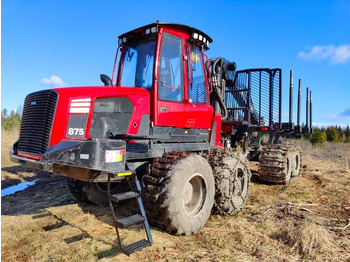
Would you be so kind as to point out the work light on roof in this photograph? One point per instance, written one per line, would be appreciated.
(201, 38)
(152, 30)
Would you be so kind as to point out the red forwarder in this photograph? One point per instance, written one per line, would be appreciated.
(184, 125)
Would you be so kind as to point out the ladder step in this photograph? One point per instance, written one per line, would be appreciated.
(128, 250)
(128, 221)
(124, 196)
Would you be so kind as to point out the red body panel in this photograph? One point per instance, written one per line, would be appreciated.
(217, 135)
(138, 96)
(184, 115)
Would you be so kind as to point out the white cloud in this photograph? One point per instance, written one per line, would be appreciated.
(325, 125)
(332, 119)
(335, 54)
(53, 81)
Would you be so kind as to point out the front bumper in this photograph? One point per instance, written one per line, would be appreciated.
(87, 160)
(36, 164)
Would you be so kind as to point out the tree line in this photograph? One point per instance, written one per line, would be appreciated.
(334, 134)
(11, 121)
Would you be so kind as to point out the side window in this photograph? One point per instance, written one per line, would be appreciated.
(197, 90)
(129, 69)
(170, 87)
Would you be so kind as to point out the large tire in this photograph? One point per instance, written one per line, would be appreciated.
(232, 180)
(279, 163)
(95, 193)
(179, 193)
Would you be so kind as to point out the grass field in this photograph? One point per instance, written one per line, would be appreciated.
(309, 219)
(11, 173)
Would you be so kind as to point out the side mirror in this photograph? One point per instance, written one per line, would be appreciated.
(106, 80)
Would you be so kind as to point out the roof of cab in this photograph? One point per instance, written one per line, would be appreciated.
(142, 30)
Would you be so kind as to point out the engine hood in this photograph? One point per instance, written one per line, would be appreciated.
(77, 104)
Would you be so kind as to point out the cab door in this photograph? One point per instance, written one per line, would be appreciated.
(183, 99)
(198, 110)
(170, 107)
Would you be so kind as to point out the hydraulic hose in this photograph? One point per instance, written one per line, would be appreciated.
(218, 93)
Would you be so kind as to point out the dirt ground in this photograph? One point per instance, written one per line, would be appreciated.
(308, 219)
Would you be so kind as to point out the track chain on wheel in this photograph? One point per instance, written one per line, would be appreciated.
(279, 163)
(232, 179)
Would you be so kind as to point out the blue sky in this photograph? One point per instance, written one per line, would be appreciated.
(46, 44)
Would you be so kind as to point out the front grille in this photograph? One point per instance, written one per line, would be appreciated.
(38, 113)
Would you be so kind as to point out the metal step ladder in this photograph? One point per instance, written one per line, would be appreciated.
(125, 222)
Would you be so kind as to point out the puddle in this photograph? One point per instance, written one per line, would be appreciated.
(19, 187)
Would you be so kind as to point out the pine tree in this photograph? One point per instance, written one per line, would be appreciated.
(4, 112)
(333, 134)
(318, 137)
(347, 133)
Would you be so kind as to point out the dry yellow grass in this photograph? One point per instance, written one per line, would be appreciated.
(305, 220)
(12, 173)
(8, 138)
(310, 239)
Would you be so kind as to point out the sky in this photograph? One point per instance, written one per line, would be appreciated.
(48, 44)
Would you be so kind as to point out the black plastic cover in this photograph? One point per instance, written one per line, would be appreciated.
(98, 154)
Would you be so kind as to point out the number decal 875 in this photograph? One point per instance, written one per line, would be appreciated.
(76, 131)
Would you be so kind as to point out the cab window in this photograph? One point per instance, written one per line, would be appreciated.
(197, 89)
(170, 87)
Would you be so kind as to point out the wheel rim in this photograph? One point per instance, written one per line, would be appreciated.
(240, 189)
(240, 182)
(296, 170)
(194, 194)
(288, 169)
(297, 162)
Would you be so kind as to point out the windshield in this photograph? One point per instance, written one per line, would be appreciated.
(136, 64)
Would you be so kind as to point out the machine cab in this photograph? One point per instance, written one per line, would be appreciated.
(168, 61)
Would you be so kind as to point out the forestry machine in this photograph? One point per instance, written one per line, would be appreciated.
(171, 129)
